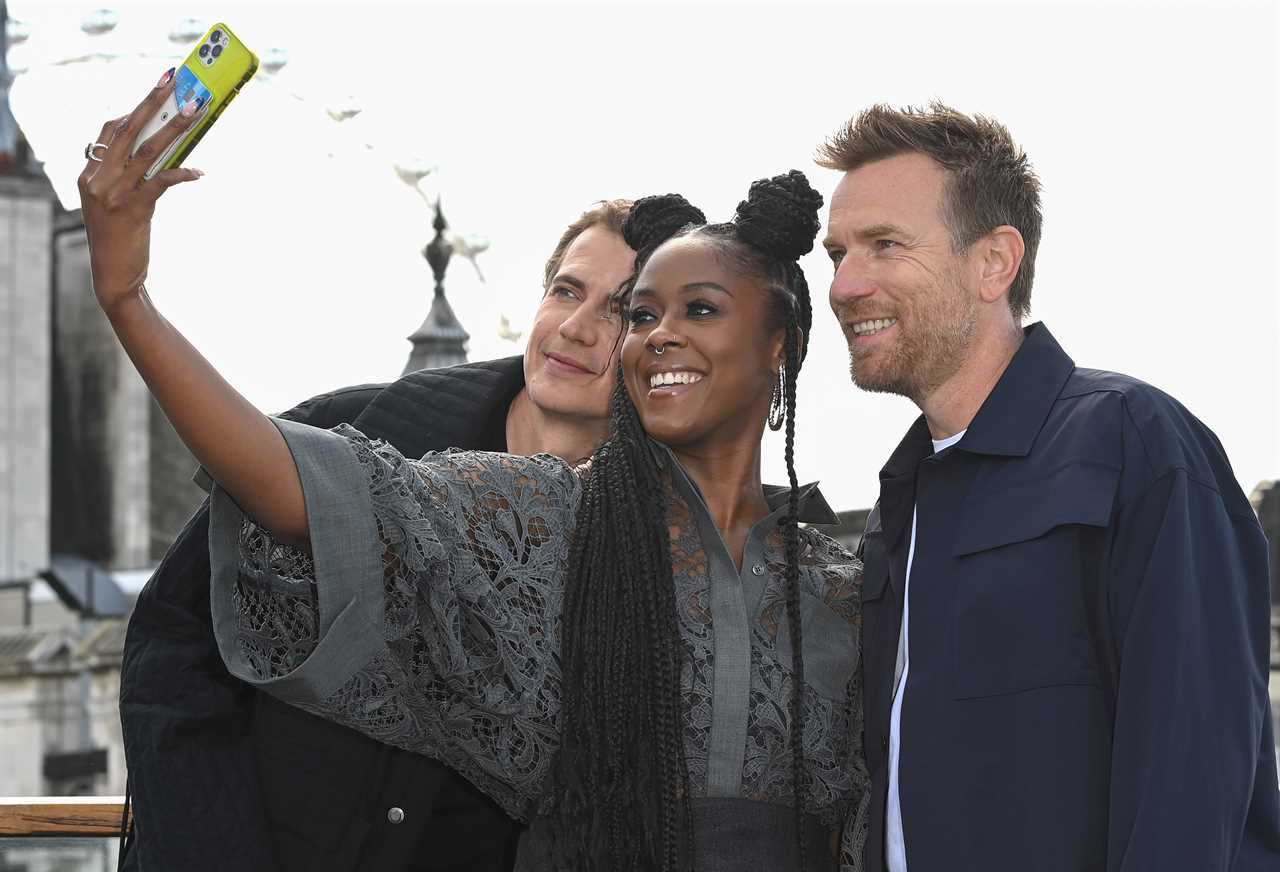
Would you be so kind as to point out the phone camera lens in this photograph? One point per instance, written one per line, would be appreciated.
(216, 36)
(217, 50)
(204, 50)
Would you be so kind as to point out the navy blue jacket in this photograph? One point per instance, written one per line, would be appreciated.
(1090, 620)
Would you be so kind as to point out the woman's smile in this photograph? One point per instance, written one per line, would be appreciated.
(669, 380)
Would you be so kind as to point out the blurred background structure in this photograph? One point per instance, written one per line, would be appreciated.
(94, 482)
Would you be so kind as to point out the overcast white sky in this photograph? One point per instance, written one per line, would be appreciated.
(1152, 126)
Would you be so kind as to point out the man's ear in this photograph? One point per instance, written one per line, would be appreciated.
(998, 257)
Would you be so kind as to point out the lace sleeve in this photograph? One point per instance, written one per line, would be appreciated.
(427, 614)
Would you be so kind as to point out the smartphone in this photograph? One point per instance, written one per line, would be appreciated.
(213, 74)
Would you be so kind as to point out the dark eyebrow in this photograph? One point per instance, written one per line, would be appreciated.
(568, 279)
(692, 287)
(876, 230)
(705, 286)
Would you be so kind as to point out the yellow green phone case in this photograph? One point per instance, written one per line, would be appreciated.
(212, 74)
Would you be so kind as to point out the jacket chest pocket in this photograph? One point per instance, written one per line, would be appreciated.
(1019, 611)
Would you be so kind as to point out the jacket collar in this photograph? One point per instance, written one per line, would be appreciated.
(914, 447)
(1007, 423)
(1012, 416)
(434, 409)
(898, 481)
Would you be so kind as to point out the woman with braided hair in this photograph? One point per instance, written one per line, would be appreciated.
(647, 657)
(696, 336)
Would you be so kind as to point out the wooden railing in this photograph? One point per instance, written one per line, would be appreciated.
(60, 816)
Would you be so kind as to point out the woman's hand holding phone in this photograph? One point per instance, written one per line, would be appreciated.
(237, 444)
(118, 203)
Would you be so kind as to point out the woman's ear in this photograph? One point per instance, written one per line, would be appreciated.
(778, 348)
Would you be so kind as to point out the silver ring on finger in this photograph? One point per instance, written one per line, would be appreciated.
(89, 153)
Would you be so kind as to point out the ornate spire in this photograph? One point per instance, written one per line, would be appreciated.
(440, 341)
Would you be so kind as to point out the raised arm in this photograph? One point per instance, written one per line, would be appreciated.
(236, 443)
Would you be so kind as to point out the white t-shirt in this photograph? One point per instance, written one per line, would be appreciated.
(895, 849)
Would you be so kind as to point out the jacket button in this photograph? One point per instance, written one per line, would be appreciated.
(395, 814)
(884, 746)
(758, 569)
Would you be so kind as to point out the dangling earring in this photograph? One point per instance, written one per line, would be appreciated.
(777, 409)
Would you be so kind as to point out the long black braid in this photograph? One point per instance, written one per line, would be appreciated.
(620, 789)
(771, 230)
(620, 782)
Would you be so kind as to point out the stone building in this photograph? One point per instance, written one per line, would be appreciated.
(121, 486)
(94, 484)
(26, 356)
(59, 713)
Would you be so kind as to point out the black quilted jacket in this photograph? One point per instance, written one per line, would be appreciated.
(225, 778)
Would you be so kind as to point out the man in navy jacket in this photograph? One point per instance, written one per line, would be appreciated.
(1066, 605)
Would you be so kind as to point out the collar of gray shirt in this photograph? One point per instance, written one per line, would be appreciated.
(814, 508)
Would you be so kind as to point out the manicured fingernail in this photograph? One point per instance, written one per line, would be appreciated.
(164, 80)
(191, 107)
(197, 173)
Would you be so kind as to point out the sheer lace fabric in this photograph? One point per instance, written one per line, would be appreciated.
(474, 549)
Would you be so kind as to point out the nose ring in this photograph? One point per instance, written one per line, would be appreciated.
(660, 350)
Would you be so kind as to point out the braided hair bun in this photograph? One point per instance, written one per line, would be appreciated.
(654, 220)
(780, 216)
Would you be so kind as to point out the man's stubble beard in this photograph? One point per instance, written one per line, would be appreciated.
(933, 344)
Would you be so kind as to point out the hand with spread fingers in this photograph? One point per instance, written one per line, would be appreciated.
(118, 202)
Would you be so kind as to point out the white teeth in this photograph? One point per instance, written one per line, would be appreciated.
(866, 328)
(661, 379)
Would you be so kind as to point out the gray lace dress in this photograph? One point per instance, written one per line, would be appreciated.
(427, 616)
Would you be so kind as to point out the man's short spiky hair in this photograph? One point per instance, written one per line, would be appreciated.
(608, 214)
(990, 184)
